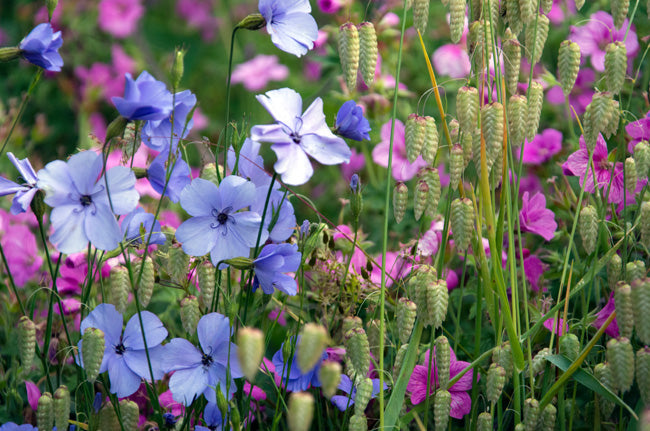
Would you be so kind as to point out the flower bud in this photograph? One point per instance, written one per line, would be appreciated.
(502, 356)
(496, 380)
(26, 342)
(178, 67)
(456, 19)
(569, 346)
(531, 413)
(313, 340)
(549, 416)
(349, 53)
(615, 65)
(329, 375)
(432, 177)
(604, 375)
(421, 15)
(619, 11)
(62, 408)
(120, 287)
(405, 316)
(536, 34)
(462, 223)
(484, 422)
(368, 52)
(620, 357)
(116, 128)
(643, 373)
(108, 420)
(38, 204)
(92, 352)
(358, 352)
(534, 109)
(205, 273)
(301, 411)
(130, 413)
(467, 106)
(443, 361)
(400, 198)
(579, 4)
(456, 166)
(588, 228)
(517, 118)
(441, 409)
(254, 21)
(642, 159)
(568, 65)
(190, 313)
(414, 136)
(421, 198)
(250, 343)
(147, 281)
(358, 423)
(641, 305)
(431, 138)
(624, 309)
(45, 412)
(511, 60)
(364, 393)
(614, 267)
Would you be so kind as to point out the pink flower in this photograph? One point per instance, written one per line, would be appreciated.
(534, 269)
(580, 95)
(119, 17)
(639, 131)
(603, 315)
(402, 169)
(19, 244)
(451, 60)
(461, 402)
(396, 267)
(559, 10)
(430, 241)
(543, 147)
(535, 218)
(356, 163)
(166, 400)
(199, 14)
(33, 394)
(552, 325)
(330, 6)
(256, 73)
(73, 273)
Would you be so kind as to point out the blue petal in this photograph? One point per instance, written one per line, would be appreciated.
(284, 105)
(328, 151)
(57, 184)
(106, 318)
(124, 382)
(137, 362)
(22, 200)
(153, 328)
(214, 332)
(197, 235)
(188, 384)
(200, 198)
(84, 169)
(236, 193)
(293, 164)
(25, 168)
(245, 229)
(179, 354)
(101, 228)
(8, 187)
(121, 186)
(69, 235)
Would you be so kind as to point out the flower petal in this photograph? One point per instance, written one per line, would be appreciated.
(84, 169)
(106, 318)
(214, 332)
(200, 198)
(284, 105)
(153, 328)
(197, 235)
(124, 382)
(293, 164)
(69, 234)
(188, 384)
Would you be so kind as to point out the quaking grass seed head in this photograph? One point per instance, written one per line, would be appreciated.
(349, 48)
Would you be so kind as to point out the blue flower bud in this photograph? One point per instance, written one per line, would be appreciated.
(350, 122)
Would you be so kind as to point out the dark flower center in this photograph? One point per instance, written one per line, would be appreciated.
(222, 218)
(206, 360)
(120, 349)
(86, 200)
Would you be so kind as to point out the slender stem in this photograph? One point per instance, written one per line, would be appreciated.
(21, 109)
(227, 126)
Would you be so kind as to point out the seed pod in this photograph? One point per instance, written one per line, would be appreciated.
(579, 4)
(351, 322)
(641, 305)
(205, 273)
(490, 12)
(619, 11)
(630, 175)
(301, 411)
(492, 123)
(502, 356)
(511, 60)
(569, 346)
(329, 375)
(534, 109)
(520, 427)
(120, 287)
(358, 423)
(531, 413)
(517, 118)
(437, 300)
(513, 15)
(405, 316)
(480, 45)
(635, 271)
(364, 393)
(420, 15)
(358, 352)
(624, 309)
(209, 173)
(620, 357)
(568, 65)
(190, 313)
(441, 409)
(539, 360)
(400, 198)
(399, 359)
(92, 352)
(466, 142)
(432, 177)
(443, 361)
(312, 343)
(496, 380)
(421, 198)
(26, 342)
(431, 139)
(614, 270)
(368, 52)
(496, 173)
(424, 277)
(349, 53)
(177, 265)
(467, 108)
(603, 373)
(414, 136)
(462, 223)
(644, 223)
(148, 280)
(598, 115)
(615, 64)
(535, 41)
(588, 228)
(61, 408)
(456, 19)
(484, 422)
(456, 166)
(643, 373)
(527, 11)
(130, 414)
(372, 329)
(549, 416)
(546, 6)
(642, 159)
(45, 412)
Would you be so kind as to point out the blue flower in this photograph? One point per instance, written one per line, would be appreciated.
(354, 183)
(137, 226)
(271, 265)
(345, 401)
(250, 164)
(125, 357)
(144, 99)
(350, 122)
(40, 47)
(290, 24)
(24, 192)
(199, 371)
(212, 417)
(296, 135)
(156, 134)
(217, 226)
(280, 216)
(180, 175)
(82, 210)
(297, 379)
(11, 426)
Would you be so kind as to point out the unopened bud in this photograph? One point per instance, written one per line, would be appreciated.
(313, 341)
(301, 411)
(349, 53)
(178, 67)
(92, 350)
(329, 375)
(115, 129)
(254, 21)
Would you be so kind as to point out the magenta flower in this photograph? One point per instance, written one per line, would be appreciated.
(639, 131)
(199, 14)
(560, 10)
(594, 37)
(256, 73)
(603, 315)
(21, 251)
(580, 96)
(119, 17)
(559, 329)
(461, 402)
(535, 218)
(330, 6)
(544, 146)
(451, 60)
(402, 169)
(534, 270)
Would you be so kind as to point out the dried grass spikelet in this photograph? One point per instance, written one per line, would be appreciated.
(641, 303)
(372, 329)
(492, 124)
(620, 357)
(642, 159)
(358, 423)
(26, 342)
(301, 411)
(405, 318)
(456, 19)
(598, 116)
(603, 373)
(329, 375)
(431, 140)
(364, 393)
(441, 409)
(484, 422)
(513, 16)
(92, 352)
(620, 9)
(624, 309)
(496, 380)
(119, 288)
(400, 200)
(349, 53)
(415, 129)
(517, 118)
(548, 418)
(539, 360)
(424, 277)
(568, 65)
(644, 223)
(536, 34)
(190, 313)
(421, 15)
(467, 108)
(367, 52)
(531, 413)
(534, 109)
(490, 12)
(250, 343)
(462, 223)
(437, 301)
(467, 142)
(635, 270)
(130, 414)
(511, 60)
(443, 361)
(569, 346)
(358, 352)
(420, 199)
(456, 166)
(546, 6)
(502, 356)
(643, 373)
(588, 228)
(148, 279)
(615, 66)
(480, 45)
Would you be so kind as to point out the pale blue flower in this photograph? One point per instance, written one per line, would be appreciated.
(290, 24)
(280, 216)
(179, 177)
(144, 99)
(41, 47)
(345, 401)
(24, 192)
(212, 418)
(271, 265)
(157, 134)
(294, 378)
(138, 225)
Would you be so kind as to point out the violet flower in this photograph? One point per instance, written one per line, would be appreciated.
(200, 370)
(144, 99)
(350, 122)
(138, 225)
(536, 218)
(125, 357)
(12, 426)
(297, 135)
(256, 73)
(461, 402)
(343, 402)
(602, 316)
(179, 177)
(280, 218)
(639, 130)
(24, 192)
(159, 135)
(271, 267)
(41, 47)
(544, 146)
(558, 329)
(402, 170)
(82, 208)
(212, 418)
(294, 378)
(290, 25)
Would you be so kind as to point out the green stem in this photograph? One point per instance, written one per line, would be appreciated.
(21, 109)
